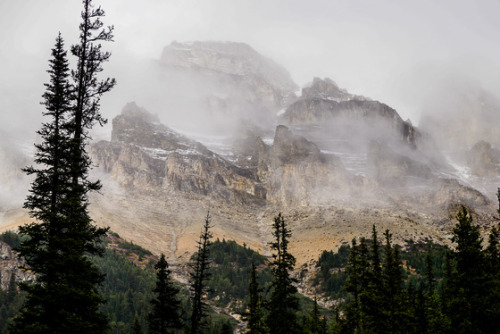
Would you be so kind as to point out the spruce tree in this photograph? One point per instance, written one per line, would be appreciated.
(136, 328)
(199, 276)
(164, 317)
(313, 323)
(65, 297)
(283, 302)
(468, 306)
(255, 315)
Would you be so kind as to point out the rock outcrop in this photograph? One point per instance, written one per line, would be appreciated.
(10, 267)
(361, 116)
(144, 154)
(329, 90)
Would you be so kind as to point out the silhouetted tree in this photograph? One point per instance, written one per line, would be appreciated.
(65, 296)
(164, 317)
(255, 316)
(283, 302)
(468, 285)
(199, 276)
(136, 328)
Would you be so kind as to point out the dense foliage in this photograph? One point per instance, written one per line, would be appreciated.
(165, 315)
(231, 273)
(331, 276)
(462, 298)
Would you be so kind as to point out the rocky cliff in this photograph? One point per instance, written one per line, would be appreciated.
(332, 162)
(158, 185)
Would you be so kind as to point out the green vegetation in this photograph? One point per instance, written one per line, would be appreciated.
(425, 289)
(165, 316)
(231, 273)
(332, 276)
(283, 303)
(11, 238)
(127, 290)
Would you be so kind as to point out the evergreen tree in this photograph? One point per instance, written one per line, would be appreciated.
(226, 328)
(393, 289)
(64, 297)
(314, 324)
(199, 276)
(164, 317)
(371, 295)
(468, 285)
(255, 316)
(283, 302)
(136, 328)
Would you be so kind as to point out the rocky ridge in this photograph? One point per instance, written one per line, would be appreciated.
(158, 185)
(332, 162)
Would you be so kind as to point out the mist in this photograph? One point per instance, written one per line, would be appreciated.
(377, 50)
(418, 58)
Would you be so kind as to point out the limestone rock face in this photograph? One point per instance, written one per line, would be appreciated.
(299, 170)
(156, 179)
(147, 155)
(267, 81)
(484, 160)
(327, 89)
(10, 265)
(356, 114)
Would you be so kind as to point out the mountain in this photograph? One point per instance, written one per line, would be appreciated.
(236, 138)
(158, 184)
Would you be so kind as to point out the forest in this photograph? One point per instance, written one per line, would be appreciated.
(377, 287)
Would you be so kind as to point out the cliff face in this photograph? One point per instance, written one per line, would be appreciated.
(332, 162)
(484, 160)
(147, 155)
(353, 113)
(158, 185)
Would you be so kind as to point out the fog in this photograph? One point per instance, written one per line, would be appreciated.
(409, 56)
(386, 50)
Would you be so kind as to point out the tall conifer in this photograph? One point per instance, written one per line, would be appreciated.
(283, 302)
(255, 316)
(65, 297)
(199, 276)
(164, 317)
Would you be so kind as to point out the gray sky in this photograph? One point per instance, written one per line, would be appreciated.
(392, 51)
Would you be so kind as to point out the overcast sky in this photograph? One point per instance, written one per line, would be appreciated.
(389, 50)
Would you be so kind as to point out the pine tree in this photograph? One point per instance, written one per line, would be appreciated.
(255, 316)
(199, 276)
(136, 328)
(283, 302)
(393, 288)
(314, 323)
(65, 296)
(164, 317)
(468, 289)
